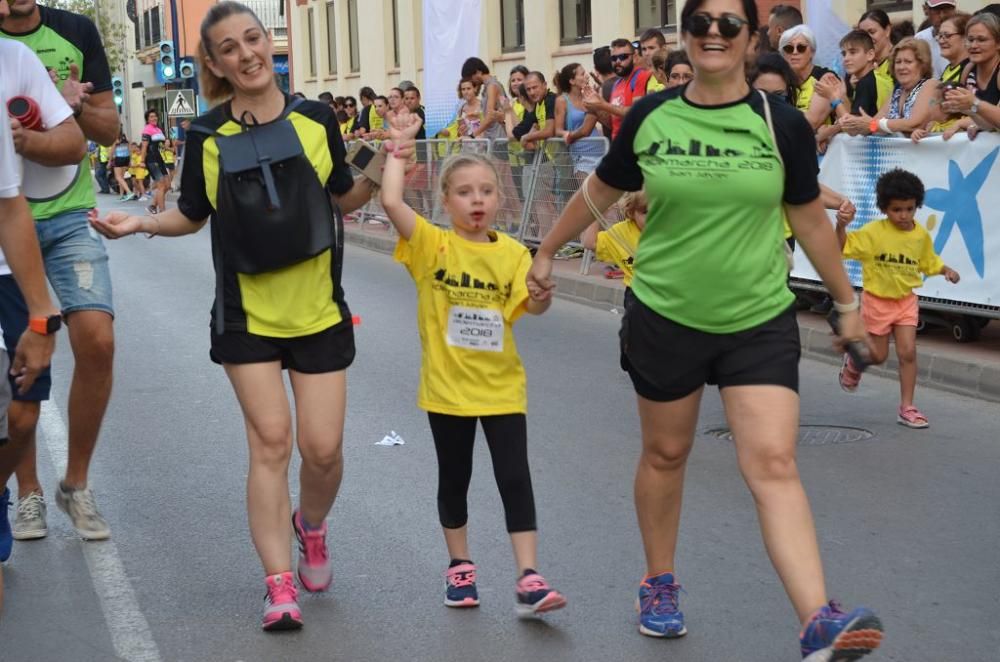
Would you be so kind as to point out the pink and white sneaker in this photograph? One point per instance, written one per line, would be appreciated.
(315, 573)
(281, 605)
(535, 596)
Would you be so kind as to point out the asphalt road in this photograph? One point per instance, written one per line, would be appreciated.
(908, 520)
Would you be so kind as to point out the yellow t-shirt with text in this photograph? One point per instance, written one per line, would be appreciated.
(609, 247)
(469, 294)
(893, 261)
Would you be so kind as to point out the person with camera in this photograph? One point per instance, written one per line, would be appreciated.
(279, 301)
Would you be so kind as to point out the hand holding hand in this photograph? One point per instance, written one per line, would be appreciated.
(846, 213)
(540, 284)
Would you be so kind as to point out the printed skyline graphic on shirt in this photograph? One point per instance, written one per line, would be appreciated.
(466, 287)
(961, 208)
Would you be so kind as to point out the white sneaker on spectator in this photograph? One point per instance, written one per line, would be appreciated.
(30, 522)
(82, 510)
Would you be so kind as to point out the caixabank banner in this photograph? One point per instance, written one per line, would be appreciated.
(961, 209)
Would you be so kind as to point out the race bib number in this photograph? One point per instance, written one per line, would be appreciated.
(480, 329)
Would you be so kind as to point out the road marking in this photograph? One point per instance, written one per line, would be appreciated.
(130, 633)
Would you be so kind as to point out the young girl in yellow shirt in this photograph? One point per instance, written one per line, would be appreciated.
(471, 288)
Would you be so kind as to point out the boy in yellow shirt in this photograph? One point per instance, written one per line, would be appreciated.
(895, 254)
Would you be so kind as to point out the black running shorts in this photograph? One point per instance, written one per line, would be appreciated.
(327, 351)
(668, 361)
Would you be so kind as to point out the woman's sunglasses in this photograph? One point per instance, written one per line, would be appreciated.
(699, 24)
(795, 48)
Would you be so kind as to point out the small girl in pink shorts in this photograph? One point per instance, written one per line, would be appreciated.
(895, 254)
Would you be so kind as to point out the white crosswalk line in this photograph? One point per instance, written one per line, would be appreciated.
(130, 633)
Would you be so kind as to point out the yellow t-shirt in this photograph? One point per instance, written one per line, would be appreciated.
(168, 155)
(653, 85)
(884, 84)
(893, 261)
(469, 294)
(609, 247)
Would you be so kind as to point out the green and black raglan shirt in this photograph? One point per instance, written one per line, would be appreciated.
(61, 39)
(295, 301)
(712, 253)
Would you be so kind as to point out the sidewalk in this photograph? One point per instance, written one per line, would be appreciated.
(971, 369)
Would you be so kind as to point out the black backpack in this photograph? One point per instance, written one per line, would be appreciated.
(271, 211)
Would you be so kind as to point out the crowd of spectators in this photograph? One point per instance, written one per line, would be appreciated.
(941, 78)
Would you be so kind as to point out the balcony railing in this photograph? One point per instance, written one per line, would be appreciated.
(268, 11)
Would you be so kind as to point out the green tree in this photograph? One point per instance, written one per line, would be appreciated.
(101, 12)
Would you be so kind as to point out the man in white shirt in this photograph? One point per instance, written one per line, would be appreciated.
(938, 11)
(34, 349)
(58, 142)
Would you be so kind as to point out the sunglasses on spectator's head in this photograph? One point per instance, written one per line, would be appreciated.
(699, 24)
(636, 45)
(795, 48)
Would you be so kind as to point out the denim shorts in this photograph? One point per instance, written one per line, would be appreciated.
(76, 262)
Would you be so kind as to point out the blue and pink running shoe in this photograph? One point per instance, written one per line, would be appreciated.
(461, 586)
(281, 604)
(535, 596)
(315, 573)
(834, 636)
(659, 613)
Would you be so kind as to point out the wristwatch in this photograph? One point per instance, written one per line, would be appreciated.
(45, 325)
(974, 108)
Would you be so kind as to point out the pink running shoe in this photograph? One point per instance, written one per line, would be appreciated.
(315, 573)
(849, 376)
(535, 596)
(460, 588)
(281, 606)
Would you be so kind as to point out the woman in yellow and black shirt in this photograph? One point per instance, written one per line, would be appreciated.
(293, 317)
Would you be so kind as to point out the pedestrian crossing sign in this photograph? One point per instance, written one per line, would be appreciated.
(180, 103)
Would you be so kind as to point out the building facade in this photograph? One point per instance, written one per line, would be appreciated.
(341, 45)
(148, 22)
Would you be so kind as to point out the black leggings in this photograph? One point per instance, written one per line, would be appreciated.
(507, 437)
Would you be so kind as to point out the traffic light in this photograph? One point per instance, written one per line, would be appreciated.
(118, 91)
(166, 62)
(186, 68)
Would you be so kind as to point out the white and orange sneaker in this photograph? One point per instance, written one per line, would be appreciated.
(281, 605)
(315, 573)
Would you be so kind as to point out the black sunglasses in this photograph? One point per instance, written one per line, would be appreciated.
(699, 24)
(350, 105)
(621, 57)
(795, 48)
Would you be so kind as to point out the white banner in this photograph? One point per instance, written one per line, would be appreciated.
(830, 24)
(961, 209)
(451, 34)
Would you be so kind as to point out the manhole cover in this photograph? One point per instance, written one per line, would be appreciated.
(814, 435)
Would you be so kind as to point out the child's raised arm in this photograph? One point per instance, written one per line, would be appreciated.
(403, 128)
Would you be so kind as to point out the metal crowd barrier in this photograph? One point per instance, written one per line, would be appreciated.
(535, 185)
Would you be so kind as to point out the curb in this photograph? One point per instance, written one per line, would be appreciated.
(934, 370)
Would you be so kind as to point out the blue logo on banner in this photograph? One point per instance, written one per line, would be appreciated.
(961, 208)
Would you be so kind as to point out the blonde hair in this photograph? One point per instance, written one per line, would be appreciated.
(632, 201)
(213, 87)
(921, 51)
(456, 162)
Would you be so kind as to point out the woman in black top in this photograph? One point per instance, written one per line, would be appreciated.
(152, 139)
(293, 317)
